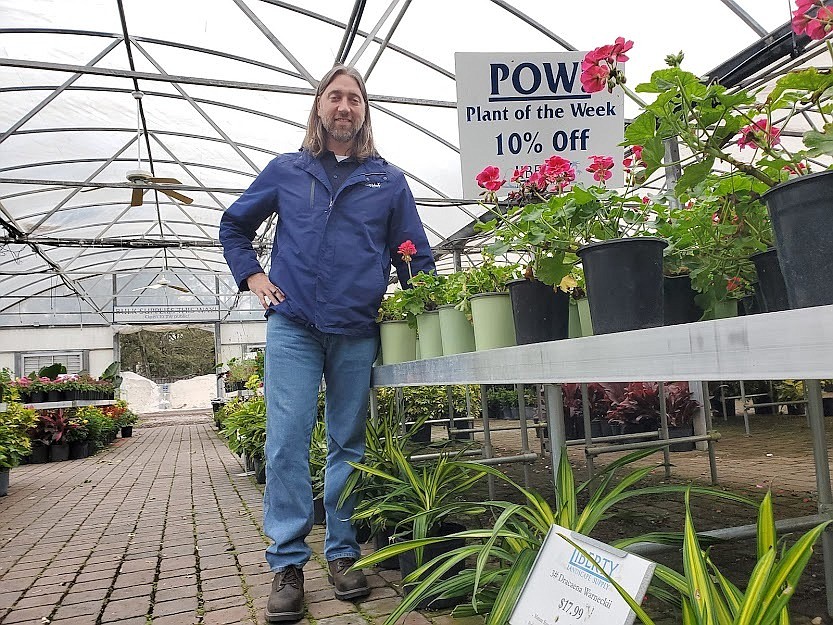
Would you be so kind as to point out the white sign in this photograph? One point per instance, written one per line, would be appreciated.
(156, 314)
(518, 109)
(564, 587)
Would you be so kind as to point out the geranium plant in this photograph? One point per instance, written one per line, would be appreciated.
(710, 120)
(549, 217)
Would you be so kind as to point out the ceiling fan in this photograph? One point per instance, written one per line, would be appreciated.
(162, 283)
(143, 177)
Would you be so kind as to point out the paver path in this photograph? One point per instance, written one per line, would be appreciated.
(161, 528)
(164, 529)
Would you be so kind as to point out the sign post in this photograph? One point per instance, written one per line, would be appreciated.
(518, 109)
(564, 587)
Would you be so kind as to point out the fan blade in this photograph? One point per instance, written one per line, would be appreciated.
(164, 180)
(177, 196)
(178, 288)
(136, 197)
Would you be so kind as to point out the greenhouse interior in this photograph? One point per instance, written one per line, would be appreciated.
(262, 362)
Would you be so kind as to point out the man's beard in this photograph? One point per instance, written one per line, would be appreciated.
(341, 133)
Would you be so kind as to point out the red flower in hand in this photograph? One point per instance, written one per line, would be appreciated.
(407, 249)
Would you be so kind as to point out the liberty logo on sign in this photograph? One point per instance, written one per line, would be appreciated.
(571, 580)
(527, 79)
(515, 110)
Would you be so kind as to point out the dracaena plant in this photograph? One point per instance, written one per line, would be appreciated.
(504, 554)
(707, 597)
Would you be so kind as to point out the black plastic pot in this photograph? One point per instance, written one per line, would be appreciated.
(771, 280)
(127, 431)
(763, 399)
(54, 396)
(380, 540)
(260, 470)
(680, 432)
(540, 313)
(463, 424)
(678, 301)
(4, 482)
(58, 452)
(827, 406)
(319, 514)
(624, 283)
(39, 453)
(37, 397)
(801, 211)
(420, 435)
(79, 450)
(408, 564)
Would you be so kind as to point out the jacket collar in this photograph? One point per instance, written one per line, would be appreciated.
(312, 165)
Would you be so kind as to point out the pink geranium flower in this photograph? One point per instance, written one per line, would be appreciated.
(594, 79)
(600, 168)
(759, 135)
(489, 178)
(407, 249)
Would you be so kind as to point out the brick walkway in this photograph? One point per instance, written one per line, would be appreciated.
(163, 529)
(160, 528)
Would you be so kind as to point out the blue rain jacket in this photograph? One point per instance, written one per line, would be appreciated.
(332, 252)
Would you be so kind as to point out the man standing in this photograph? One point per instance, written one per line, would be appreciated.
(342, 213)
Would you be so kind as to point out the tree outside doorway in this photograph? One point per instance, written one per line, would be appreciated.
(168, 355)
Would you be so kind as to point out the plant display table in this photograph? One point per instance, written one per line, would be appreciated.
(792, 344)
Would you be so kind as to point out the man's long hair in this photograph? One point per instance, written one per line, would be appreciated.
(315, 141)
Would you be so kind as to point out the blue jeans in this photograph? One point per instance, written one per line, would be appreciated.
(296, 357)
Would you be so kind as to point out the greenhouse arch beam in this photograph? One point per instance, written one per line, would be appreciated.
(337, 24)
(747, 19)
(536, 25)
(43, 103)
(202, 114)
(275, 41)
(204, 82)
(79, 161)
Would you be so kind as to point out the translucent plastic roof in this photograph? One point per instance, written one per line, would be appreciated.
(226, 86)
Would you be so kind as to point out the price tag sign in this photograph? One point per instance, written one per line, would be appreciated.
(564, 587)
(518, 109)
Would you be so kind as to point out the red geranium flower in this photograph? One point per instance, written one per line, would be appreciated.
(407, 249)
(489, 178)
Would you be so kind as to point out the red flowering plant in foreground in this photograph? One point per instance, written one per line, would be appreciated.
(549, 216)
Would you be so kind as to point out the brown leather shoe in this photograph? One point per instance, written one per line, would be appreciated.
(286, 601)
(348, 584)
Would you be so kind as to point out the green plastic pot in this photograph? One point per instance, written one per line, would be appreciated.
(455, 330)
(574, 323)
(398, 342)
(430, 339)
(492, 319)
(726, 310)
(583, 306)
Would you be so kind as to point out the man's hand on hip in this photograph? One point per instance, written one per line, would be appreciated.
(266, 292)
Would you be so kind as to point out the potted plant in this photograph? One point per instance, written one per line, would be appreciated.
(639, 410)
(422, 498)
(456, 331)
(791, 391)
(708, 119)
(599, 402)
(77, 436)
(398, 336)
(421, 303)
(15, 443)
(713, 232)
(52, 429)
(484, 296)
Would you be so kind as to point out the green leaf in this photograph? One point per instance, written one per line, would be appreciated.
(653, 153)
(552, 269)
(641, 130)
(511, 588)
(766, 526)
(819, 142)
(694, 174)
